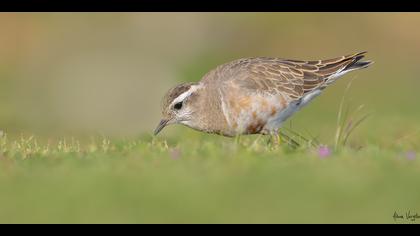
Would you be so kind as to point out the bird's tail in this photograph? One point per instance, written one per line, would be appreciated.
(357, 63)
(349, 63)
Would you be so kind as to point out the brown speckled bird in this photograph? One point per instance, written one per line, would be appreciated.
(252, 95)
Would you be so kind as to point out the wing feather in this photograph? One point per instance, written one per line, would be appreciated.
(292, 78)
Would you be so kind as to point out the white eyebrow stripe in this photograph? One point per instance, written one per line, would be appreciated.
(186, 94)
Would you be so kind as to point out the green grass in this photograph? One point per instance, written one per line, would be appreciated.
(59, 84)
(198, 178)
(183, 176)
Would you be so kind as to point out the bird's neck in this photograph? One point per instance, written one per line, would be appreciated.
(209, 115)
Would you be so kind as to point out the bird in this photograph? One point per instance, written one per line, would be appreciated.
(253, 95)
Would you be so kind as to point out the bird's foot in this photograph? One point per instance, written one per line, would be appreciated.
(275, 139)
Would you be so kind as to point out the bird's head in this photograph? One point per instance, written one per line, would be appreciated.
(179, 105)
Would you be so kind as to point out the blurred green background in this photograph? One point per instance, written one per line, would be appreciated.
(82, 73)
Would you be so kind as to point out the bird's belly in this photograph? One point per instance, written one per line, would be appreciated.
(275, 122)
(256, 114)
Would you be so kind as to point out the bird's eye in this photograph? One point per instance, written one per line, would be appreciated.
(178, 106)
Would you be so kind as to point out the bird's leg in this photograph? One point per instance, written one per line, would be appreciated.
(275, 137)
(270, 139)
(278, 138)
(237, 139)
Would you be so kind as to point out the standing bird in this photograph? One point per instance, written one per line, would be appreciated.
(252, 95)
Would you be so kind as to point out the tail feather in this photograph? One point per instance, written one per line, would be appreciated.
(353, 62)
(357, 63)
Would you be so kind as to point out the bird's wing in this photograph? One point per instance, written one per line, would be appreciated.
(292, 78)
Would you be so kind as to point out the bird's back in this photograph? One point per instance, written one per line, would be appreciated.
(256, 92)
(293, 77)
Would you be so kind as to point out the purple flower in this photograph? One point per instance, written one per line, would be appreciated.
(175, 153)
(410, 155)
(324, 151)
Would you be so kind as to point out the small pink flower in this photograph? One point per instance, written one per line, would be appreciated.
(410, 155)
(175, 153)
(324, 151)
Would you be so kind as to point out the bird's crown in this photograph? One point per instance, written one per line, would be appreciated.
(175, 93)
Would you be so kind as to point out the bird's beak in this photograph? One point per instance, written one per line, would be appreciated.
(161, 125)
